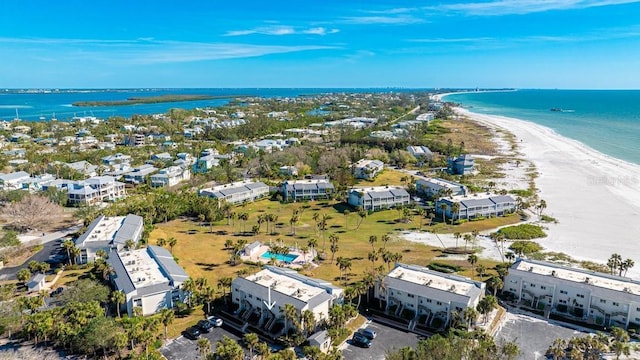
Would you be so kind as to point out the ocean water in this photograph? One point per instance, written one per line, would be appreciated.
(605, 120)
(34, 106)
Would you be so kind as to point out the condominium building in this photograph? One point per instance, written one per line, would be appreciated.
(474, 206)
(432, 187)
(379, 197)
(94, 190)
(588, 296)
(307, 189)
(150, 278)
(424, 295)
(262, 296)
(462, 165)
(171, 176)
(367, 169)
(140, 174)
(106, 233)
(237, 192)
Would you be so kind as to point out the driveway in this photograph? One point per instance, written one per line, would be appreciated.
(182, 348)
(387, 339)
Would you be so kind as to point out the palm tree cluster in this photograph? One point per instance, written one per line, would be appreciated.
(591, 347)
(616, 264)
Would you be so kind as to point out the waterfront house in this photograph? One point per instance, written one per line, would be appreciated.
(170, 176)
(94, 190)
(262, 296)
(140, 174)
(427, 297)
(477, 205)
(150, 279)
(379, 197)
(307, 189)
(577, 294)
(13, 181)
(106, 233)
(367, 169)
(462, 165)
(433, 187)
(37, 283)
(237, 192)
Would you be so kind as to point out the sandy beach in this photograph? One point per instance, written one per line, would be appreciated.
(595, 197)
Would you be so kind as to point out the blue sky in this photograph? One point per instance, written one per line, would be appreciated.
(576, 44)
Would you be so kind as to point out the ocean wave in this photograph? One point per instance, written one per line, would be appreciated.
(16, 107)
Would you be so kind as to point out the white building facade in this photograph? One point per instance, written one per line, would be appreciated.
(588, 296)
(367, 169)
(106, 233)
(237, 192)
(94, 190)
(431, 187)
(379, 197)
(308, 189)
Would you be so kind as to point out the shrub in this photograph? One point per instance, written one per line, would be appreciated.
(547, 218)
(522, 232)
(525, 247)
(445, 268)
(522, 193)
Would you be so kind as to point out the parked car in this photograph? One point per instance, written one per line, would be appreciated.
(368, 333)
(215, 321)
(205, 326)
(360, 340)
(192, 333)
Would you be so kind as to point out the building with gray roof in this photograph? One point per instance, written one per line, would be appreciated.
(427, 294)
(307, 189)
(94, 190)
(367, 169)
(150, 278)
(237, 192)
(475, 206)
(378, 197)
(262, 296)
(106, 233)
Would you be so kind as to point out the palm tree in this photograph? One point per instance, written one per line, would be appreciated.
(481, 269)
(129, 244)
(486, 305)
(333, 238)
(385, 239)
(312, 243)
(308, 321)
(189, 287)
(172, 242)
(620, 342)
(346, 219)
(290, 315)
(204, 347)
(557, 349)
(373, 257)
(225, 283)
(470, 315)
(467, 238)
(455, 209)
(244, 217)
(251, 340)
(372, 240)
(75, 253)
(457, 235)
(167, 316)
(118, 298)
(421, 214)
(472, 259)
(67, 244)
(208, 295)
(443, 208)
(345, 265)
(495, 283)
(362, 213)
(161, 242)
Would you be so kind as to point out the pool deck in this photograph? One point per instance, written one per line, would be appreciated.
(297, 263)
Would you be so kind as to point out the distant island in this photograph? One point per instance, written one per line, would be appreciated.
(152, 100)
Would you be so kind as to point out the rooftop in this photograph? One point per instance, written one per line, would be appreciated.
(433, 279)
(441, 182)
(285, 284)
(142, 269)
(601, 280)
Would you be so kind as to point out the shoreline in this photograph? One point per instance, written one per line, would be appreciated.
(594, 196)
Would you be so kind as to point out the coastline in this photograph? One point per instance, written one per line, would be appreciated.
(594, 196)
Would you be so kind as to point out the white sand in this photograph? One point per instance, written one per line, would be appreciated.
(595, 197)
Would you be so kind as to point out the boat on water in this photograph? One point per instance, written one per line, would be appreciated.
(561, 110)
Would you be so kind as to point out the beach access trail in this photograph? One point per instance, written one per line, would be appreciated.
(595, 197)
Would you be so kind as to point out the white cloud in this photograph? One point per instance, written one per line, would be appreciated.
(279, 30)
(519, 7)
(382, 20)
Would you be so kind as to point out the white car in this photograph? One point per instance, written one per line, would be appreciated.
(215, 321)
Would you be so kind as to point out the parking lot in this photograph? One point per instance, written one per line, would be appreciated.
(532, 335)
(182, 348)
(387, 338)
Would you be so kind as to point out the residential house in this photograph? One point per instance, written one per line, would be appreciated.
(425, 295)
(307, 189)
(150, 279)
(116, 159)
(379, 197)
(106, 233)
(434, 187)
(237, 192)
(582, 295)
(288, 170)
(140, 174)
(83, 167)
(462, 165)
(367, 169)
(261, 297)
(135, 140)
(94, 190)
(164, 156)
(420, 152)
(475, 206)
(37, 283)
(13, 181)
(37, 183)
(170, 176)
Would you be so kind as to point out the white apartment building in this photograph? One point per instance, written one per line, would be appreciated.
(170, 176)
(431, 187)
(592, 297)
(150, 278)
(477, 205)
(367, 169)
(307, 189)
(108, 233)
(427, 294)
(140, 174)
(262, 296)
(237, 192)
(13, 181)
(94, 190)
(379, 197)
(116, 159)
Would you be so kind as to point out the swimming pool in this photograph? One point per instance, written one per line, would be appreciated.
(288, 258)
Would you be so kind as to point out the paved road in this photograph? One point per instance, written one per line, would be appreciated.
(387, 339)
(51, 252)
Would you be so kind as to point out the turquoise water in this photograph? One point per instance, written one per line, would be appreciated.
(284, 258)
(606, 120)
